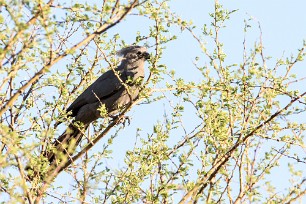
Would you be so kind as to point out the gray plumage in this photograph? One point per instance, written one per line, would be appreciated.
(109, 90)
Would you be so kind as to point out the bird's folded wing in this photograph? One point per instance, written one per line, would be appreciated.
(105, 86)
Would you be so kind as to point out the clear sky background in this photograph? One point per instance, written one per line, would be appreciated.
(283, 26)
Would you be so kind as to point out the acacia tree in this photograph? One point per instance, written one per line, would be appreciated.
(243, 114)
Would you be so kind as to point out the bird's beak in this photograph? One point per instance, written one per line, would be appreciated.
(146, 55)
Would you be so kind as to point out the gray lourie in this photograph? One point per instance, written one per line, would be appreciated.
(108, 90)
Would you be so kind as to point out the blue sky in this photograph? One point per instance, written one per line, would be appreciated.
(283, 25)
(283, 28)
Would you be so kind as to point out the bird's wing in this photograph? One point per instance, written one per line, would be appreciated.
(104, 87)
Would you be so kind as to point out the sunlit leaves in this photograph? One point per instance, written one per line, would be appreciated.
(216, 134)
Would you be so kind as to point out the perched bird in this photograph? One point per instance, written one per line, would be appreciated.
(113, 90)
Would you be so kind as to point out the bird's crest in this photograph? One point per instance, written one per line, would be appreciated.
(133, 48)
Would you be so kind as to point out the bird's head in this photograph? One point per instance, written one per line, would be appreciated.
(134, 53)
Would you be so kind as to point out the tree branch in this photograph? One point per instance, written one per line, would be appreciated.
(202, 183)
(116, 19)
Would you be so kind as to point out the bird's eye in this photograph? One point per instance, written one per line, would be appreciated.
(138, 53)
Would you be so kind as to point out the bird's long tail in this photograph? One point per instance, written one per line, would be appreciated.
(59, 152)
(64, 146)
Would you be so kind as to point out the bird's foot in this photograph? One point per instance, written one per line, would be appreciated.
(121, 119)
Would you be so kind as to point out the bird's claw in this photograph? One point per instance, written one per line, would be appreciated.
(121, 119)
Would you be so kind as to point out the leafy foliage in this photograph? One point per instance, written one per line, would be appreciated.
(240, 116)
